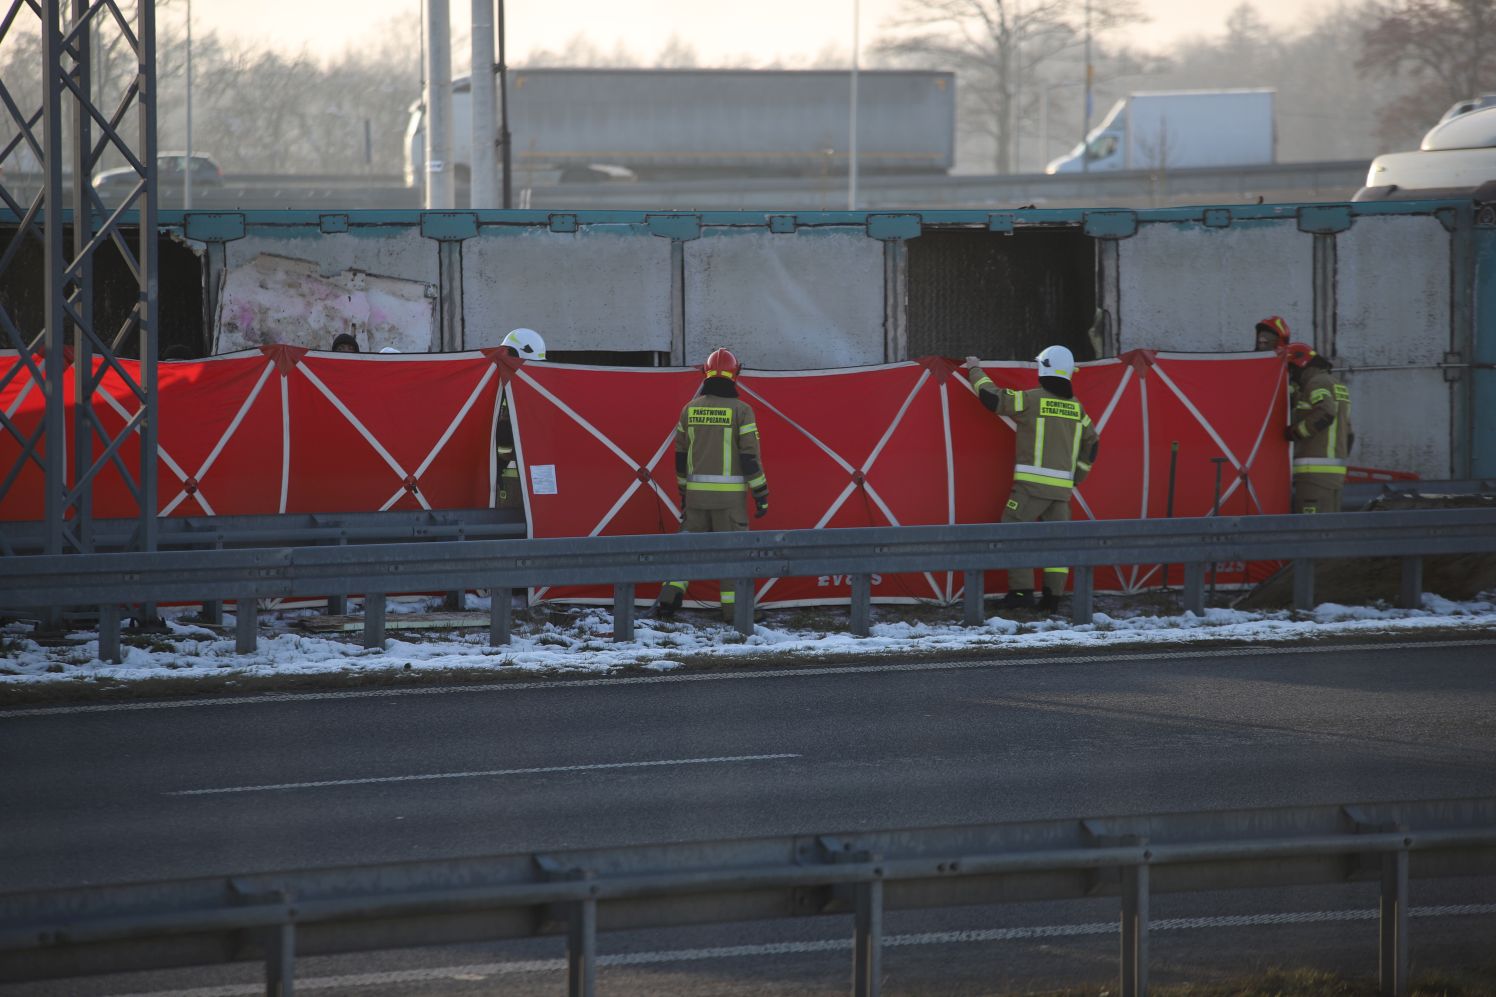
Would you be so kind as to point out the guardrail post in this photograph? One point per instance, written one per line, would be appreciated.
(1081, 602)
(337, 605)
(454, 600)
(109, 634)
(246, 624)
(212, 612)
(742, 607)
(1303, 584)
(374, 619)
(1194, 588)
(280, 961)
(1392, 952)
(867, 945)
(581, 950)
(623, 611)
(498, 617)
(279, 939)
(1410, 591)
(1135, 931)
(862, 605)
(972, 614)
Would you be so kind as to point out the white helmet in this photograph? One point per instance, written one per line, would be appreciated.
(1056, 361)
(527, 343)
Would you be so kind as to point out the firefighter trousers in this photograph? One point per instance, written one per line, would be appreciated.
(1025, 506)
(1317, 493)
(733, 519)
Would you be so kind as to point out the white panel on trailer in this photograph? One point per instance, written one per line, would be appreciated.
(393, 251)
(1392, 291)
(1186, 287)
(581, 290)
(1393, 310)
(1402, 421)
(786, 302)
(273, 300)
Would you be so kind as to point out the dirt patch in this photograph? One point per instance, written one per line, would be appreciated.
(1367, 581)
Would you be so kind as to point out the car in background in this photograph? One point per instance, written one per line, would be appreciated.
(1457, 158)
(171, 176)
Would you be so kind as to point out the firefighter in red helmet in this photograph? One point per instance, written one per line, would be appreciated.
(1320, 432)
(1272, 333)
(717, 467)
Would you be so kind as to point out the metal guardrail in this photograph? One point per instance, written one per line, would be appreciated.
(1336, 180)
(1331, 180)
(110, 581)
(287, 529)
(276, 916)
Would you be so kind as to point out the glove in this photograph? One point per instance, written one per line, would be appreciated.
(1290, 434)
(760, 506)
(972, 363)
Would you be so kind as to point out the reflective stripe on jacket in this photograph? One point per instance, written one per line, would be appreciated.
(1322, 425)
(1056, 440)
(714, 433)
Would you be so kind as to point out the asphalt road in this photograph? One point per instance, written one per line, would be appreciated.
(122, 792)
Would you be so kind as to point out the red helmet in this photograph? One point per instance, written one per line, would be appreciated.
(722, 364)
(1276, 326)
(1298, 354)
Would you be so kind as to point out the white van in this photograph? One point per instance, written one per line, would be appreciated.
(1456, 158)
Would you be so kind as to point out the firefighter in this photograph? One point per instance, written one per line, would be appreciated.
(1055, 450)
(717, 467)
(1272, 334)
(1320, 432)
(526, 344)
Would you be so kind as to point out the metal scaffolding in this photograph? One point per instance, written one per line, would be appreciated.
(82, 119)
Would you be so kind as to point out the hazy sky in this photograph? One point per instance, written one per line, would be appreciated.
(754, 32)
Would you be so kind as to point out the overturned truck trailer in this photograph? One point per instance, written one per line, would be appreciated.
(1401, 296)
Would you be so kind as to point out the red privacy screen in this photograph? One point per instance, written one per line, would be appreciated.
(286, 430)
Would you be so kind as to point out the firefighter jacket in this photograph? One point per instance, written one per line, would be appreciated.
(1056, 441)
(1321, 426)
(508, 467)
(716, 449)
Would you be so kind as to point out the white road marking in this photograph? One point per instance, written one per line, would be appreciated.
(488, 773)
(745, 674)
(480, 971)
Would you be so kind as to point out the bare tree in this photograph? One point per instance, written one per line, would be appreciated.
(1445, 48)
(677, 53)
(999, 48)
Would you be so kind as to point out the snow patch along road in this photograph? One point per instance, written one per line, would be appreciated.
(582, 642)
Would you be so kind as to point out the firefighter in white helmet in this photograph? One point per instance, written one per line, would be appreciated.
(525, 344)
(1055, 449)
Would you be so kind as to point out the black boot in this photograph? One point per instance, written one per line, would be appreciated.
(1017, 599)
(1049, 602)
(668, 602)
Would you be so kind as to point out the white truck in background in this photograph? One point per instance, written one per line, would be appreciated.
(1178, 129)
(595, 125)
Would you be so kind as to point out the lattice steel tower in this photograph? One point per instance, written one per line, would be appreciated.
(48, 159)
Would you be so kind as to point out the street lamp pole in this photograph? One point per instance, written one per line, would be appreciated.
(852, 118)
(1085, 158)
(187, 166)
(503, 70)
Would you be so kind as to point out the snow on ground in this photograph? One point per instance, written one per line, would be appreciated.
(579, 639)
